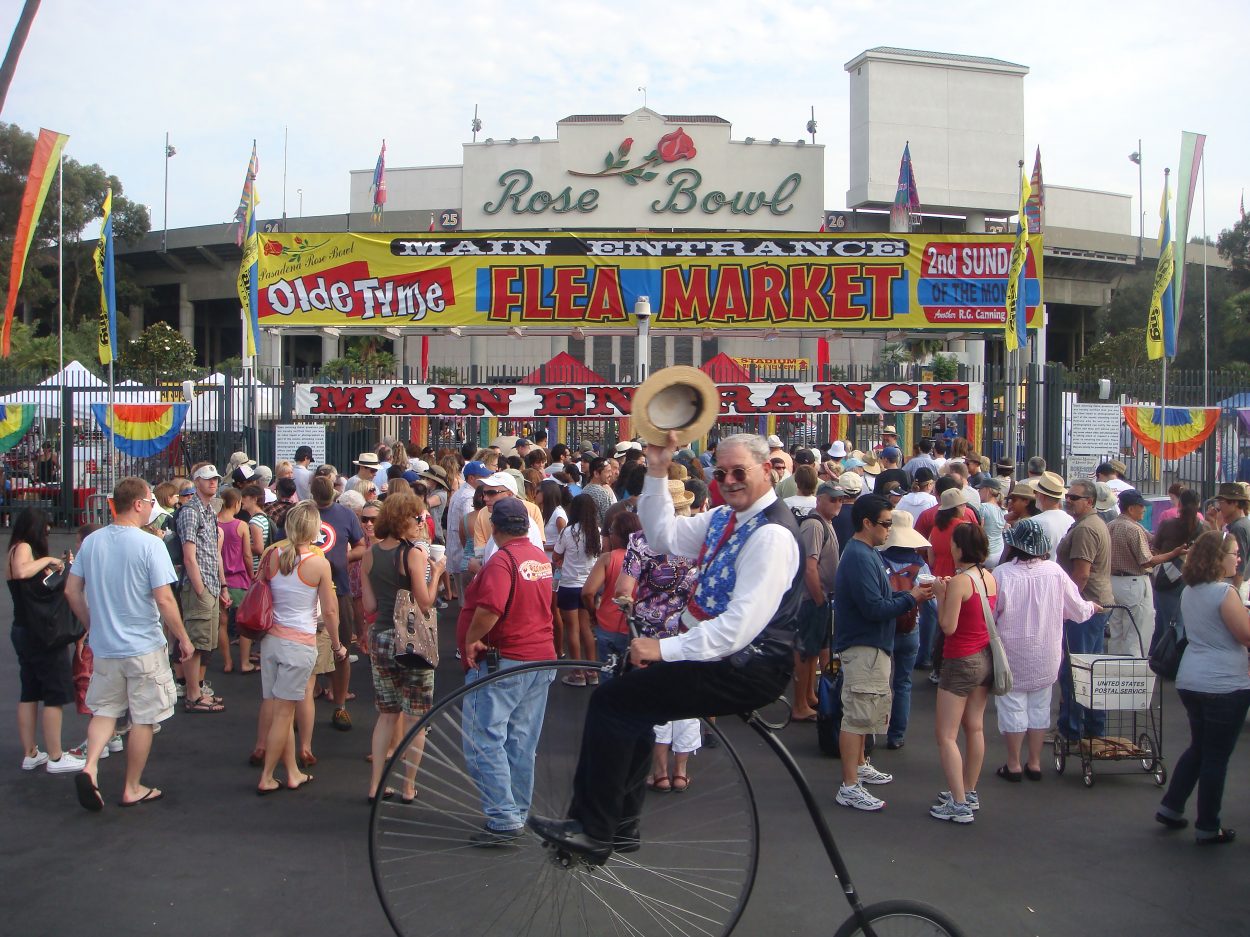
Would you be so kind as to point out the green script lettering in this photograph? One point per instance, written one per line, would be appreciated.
(685, 183)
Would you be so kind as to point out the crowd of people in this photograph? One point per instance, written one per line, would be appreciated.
(894, 565)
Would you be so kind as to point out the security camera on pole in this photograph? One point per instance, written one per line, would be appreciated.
(642, 312)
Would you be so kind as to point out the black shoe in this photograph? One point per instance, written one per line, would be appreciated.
(894, 744)
(710, 741)
(488, 838)
(568, 835)
(1172, 823)
(628, 838)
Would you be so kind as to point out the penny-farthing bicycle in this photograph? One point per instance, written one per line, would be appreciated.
(691, 875)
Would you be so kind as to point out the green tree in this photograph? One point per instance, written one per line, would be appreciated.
(1234, 246)
(363, 358)
(158, 353)
(85, 188)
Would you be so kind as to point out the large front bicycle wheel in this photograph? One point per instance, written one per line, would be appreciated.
(434, 874)
(901, 918)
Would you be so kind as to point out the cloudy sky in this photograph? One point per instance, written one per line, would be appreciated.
(341, 76)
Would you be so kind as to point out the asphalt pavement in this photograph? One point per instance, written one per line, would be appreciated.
(212, 859)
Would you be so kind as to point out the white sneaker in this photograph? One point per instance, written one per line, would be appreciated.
(933, 677)
(81, 751)
(970, 798)
(115, 744)
(952, 811)
(858, 798)
(31, 762)
(870, 775)
(66, 764)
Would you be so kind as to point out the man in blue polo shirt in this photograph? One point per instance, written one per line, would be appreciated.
(864, 639)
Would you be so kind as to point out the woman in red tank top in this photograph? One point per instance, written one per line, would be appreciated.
(963, 686)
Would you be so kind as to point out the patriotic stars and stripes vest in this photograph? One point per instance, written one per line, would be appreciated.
(718, 575)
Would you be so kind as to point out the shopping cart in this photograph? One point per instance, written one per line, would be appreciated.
(1120, 692)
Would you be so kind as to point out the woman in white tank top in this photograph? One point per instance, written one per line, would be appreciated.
(300, 580)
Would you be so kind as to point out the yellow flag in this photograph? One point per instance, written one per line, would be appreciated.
(1161, 320)
(1016, 310)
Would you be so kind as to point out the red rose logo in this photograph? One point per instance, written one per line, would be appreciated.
(623, 149)
(272, 248)
(676, 145)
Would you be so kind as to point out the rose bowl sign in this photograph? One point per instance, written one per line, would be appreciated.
(643, 170)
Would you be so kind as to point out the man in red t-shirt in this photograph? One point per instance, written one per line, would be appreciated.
(506, 621)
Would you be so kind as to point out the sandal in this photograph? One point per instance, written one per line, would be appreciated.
(205, 704)
(307, 759)
(1033, 774)
(1220, 836)
(659, 785)
(680, 783)
(256, 758)
(1015, 777)
(574, 679)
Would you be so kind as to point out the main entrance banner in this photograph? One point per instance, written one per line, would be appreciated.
(562, 279)
(613, 401)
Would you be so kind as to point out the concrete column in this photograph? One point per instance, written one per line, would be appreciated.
(559, 344)
(808, 349)
(477, 350)
(135, 315)
(329, 347)
(186, 314)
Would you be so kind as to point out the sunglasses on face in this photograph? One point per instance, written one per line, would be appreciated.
(368, 518)
(738, 474)
(1076, 497)
(886, 524)
(494, 492)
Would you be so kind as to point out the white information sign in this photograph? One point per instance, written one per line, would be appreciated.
(287, 437)
(1095, 429)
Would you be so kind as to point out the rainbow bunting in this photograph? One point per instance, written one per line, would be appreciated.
(974, 430)
(1187, 428)
(839, 427)
(15, 420)
(140, 429)
(46, 157)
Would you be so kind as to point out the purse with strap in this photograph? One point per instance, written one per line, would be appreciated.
(254, 617)
(1002, 669)
(416, 632)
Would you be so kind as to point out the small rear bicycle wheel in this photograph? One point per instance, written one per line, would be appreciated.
(901, 918)
(691, 875)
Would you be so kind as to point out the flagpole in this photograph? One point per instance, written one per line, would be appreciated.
(1163, 412)
(60, 265)
(1206, 333)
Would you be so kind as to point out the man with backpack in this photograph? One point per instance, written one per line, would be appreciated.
(820, 569)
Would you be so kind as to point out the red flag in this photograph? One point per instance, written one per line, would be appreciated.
(42, 167)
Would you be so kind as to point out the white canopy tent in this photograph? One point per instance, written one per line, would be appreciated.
(206, 415)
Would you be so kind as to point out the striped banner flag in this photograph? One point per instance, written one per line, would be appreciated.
(1035, 210)
(248, 197)
(47, 156)
(103, 256)
(1190, 167)
(379, 185)
(1161, 319)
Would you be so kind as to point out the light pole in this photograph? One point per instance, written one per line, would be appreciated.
(169, 151)
(1135, 157)
(642, 312)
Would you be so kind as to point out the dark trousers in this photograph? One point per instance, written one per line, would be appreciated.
(1215, 721)
(610, 783)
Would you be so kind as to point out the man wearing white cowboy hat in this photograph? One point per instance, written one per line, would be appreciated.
(1048, 491)
(367, 464)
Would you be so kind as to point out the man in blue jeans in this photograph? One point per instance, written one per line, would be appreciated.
(506, 618)
(1085, 555)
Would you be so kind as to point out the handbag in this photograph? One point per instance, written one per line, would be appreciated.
(1165, 659)
(254, 617)
(416, 632)
(46, 615)
(1002, 669)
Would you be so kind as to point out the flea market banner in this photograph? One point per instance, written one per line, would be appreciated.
(523, 401)
(561, 279)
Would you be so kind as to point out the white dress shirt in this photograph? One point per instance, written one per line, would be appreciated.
(765, 567)
(460, 504)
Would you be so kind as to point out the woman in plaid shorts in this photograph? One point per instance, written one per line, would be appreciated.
(397, 561)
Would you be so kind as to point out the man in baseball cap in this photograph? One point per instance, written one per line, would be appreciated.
(496, 487)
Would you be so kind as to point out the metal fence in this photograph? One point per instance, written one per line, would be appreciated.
(232, 411)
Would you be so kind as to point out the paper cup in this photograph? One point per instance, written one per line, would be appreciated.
(437, 552)
(925, 579)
